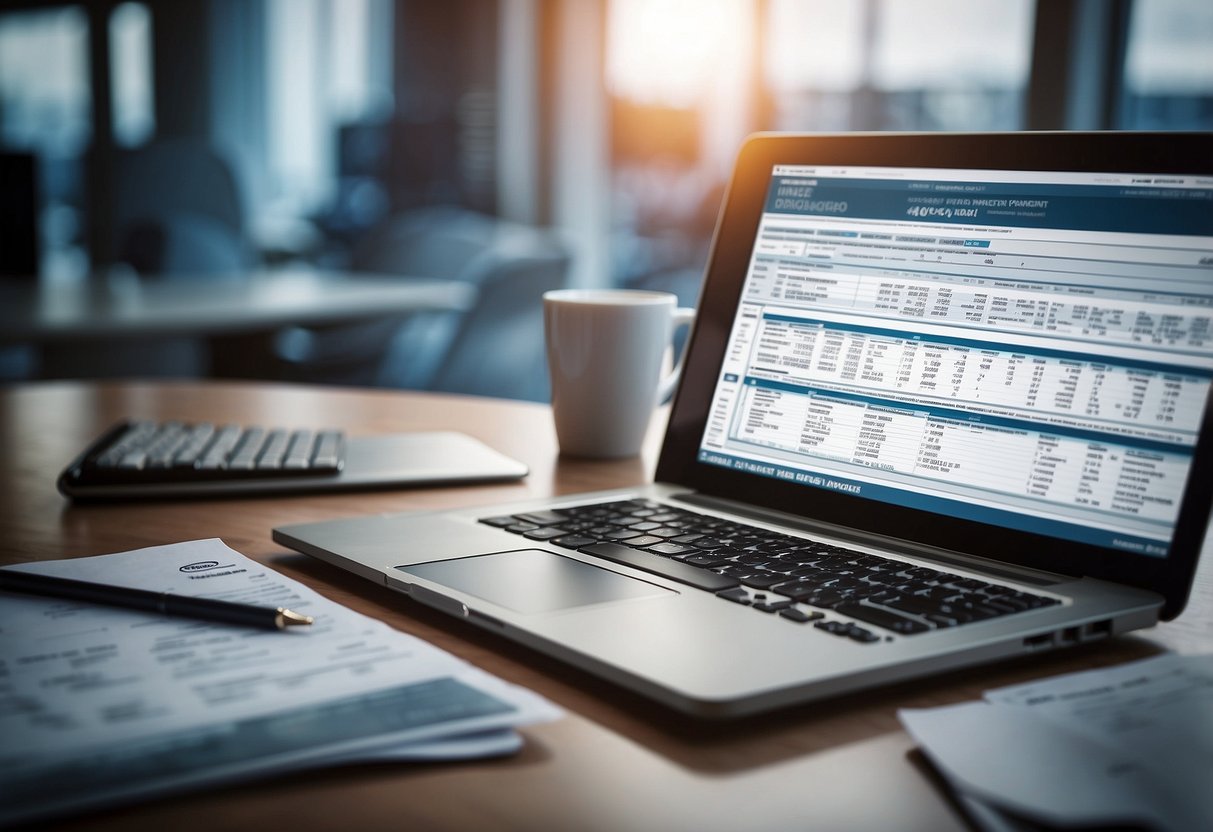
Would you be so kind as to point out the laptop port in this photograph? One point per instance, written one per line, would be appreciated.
(1038, 642)
(1097, 629)
(1070, 635)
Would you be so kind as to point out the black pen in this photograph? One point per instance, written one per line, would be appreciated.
(165, 603)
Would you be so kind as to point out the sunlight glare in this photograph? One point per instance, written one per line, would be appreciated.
(666, 52)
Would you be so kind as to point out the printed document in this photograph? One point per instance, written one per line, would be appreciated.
(101, 704)
(1131, 744)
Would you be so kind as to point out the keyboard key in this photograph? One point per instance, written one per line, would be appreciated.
(274, 451)
(671, 549)
(499, 522)
(913, 604)
(299, 451)
(967, 583)
(795, 590)
(328, 449)
(845, 583)
(922, 573)
(772, 606)
(976, 611)
(544, 533)
(837, 628)
(658, 565)
(708, 560)
(574, 541)
(134, 459)
(216, 454)
(736, 595)
(882, 618)
(793, 614)
(198, 438)
(884, 579)
(542, 518)
(761, 580)
(754, 559)
(862, 636)
(935, 593)
(644, 540)
(247, 450)
(169, 440)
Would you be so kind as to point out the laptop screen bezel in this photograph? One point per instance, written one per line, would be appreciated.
(728, 263)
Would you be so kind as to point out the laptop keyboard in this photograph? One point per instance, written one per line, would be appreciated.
(799, 580)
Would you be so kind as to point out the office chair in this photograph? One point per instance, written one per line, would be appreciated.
(431, 243)
(511, 265)
(498, 349)
(177, 211)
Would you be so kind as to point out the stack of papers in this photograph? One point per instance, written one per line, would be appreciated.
(100, 705)
(1130, 745)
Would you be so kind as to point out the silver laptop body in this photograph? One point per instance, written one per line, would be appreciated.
(966, 367)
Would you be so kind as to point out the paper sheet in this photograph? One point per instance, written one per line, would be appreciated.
(1130, 744)
(121, 703)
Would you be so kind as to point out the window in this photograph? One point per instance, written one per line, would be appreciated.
(131, 59)
(46, 109)
(678, 73)
(328, 63)
(1168, 82)
(886, 65)
(44, 88)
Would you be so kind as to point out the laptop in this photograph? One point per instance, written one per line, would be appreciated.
(946, 402)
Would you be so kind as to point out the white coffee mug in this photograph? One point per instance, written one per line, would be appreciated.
(605, 351)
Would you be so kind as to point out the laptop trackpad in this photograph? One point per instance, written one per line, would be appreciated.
(533, 581)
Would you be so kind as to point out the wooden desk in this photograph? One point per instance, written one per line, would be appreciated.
(615, 763)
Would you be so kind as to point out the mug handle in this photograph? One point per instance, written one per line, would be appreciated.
(683, 316)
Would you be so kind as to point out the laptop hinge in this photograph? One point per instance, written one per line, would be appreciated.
(893, 544)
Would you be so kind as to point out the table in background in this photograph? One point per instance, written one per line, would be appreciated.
(124, 306)
(615, 762)
(220, 325)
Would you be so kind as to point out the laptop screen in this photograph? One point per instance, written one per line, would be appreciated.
(1028, 350)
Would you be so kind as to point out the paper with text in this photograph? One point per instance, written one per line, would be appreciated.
(1128, 744)
(120, 703)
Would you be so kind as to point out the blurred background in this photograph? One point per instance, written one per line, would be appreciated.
(159, 155)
